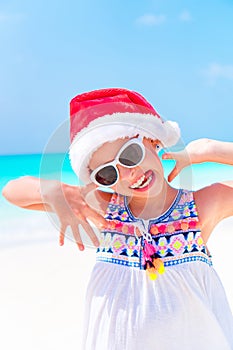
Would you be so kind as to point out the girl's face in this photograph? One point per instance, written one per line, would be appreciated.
(143, 180)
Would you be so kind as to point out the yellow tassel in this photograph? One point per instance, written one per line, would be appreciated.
(150, 270)
(151, 273)
(159, 265)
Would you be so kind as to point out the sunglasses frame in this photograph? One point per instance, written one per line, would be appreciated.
(138, 141)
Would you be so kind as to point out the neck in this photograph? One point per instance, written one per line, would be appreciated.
(152, 207)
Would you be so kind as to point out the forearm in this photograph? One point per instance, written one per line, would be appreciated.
(217, 151)
(200, 151)
(29, 192)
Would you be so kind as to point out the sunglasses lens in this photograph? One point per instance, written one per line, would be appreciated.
(106, 176)
(132, 155)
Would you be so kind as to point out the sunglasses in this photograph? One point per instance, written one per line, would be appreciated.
(130, 155)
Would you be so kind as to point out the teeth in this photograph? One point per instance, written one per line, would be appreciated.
(146, 183)
(139, 182)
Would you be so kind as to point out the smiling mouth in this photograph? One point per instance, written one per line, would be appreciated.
(144, 181)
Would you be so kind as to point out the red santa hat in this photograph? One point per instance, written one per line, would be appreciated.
(105, 115)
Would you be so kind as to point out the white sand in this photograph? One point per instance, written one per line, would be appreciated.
(43, 286)
(41, 297)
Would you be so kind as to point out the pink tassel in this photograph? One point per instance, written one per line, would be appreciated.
(149, 250)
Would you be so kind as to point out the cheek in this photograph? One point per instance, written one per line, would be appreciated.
(122, 186)
(160, 167)
(153, 161)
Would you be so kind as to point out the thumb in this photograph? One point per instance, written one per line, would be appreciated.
(172, 155)
(167, 155)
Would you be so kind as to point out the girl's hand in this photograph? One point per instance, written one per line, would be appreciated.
(68, 202)
(195, 152)
(181, 161)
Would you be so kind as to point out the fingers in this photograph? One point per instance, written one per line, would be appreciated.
(77, 237)
(62, 234)
(168, 156)
(61, 239)
(80, 219)
(98, 220)
(76, 234)
(175, 170)
(181, 161)
(172, 155)
(74, 212)
(95, 217)
(90, 232)
(173, 174)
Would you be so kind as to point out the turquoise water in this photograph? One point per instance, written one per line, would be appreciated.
(57, 166)
(20, 226)
(46, 165)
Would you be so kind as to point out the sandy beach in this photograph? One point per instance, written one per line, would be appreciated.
(43, 287)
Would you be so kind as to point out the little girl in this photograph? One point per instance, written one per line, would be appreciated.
(153, 285)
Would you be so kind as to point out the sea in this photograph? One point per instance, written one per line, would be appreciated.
(21, 226)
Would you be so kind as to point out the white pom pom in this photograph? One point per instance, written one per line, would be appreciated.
(172, 133)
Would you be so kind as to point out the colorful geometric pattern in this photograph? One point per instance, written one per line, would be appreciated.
(176, 234)
(123, 249)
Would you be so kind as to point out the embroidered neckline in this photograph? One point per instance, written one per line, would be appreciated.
(158, 218)
(172, 238)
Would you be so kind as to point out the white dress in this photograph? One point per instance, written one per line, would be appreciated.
(184, 308)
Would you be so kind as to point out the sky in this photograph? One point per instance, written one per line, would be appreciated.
(178, 54)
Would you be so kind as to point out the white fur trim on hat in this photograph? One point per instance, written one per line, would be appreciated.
(112, 127)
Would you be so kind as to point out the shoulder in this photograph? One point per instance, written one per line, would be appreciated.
(214, 203)
(218, 195)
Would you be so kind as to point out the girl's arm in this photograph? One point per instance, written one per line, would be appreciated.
(200, 151)
(67, 201)
(214, 202)
(25, 192)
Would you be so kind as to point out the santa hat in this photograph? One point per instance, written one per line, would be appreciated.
(105, 115)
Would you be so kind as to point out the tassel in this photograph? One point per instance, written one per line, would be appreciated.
(159, 265)
(151, 271)
(152, 262)
(149, 250)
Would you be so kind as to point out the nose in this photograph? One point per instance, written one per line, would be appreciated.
(129, 174)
